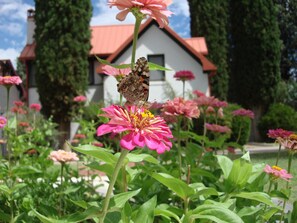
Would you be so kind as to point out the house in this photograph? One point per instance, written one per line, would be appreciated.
(114, 43)
(16, 92)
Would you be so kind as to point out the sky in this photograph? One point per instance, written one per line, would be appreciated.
(13, 22)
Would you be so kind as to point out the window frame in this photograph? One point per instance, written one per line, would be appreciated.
(162, 72)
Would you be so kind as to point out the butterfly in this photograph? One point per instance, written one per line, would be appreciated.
(135, 86)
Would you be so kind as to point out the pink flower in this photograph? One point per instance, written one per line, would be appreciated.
(198, 93)
(204, 101)
(79, 136)
(98, 144)
(35, 107)
(289, 142)
(244, 112)
(277, 172)
(3, 122)
(80, 98)
(140, 127)
(278, 133)
(216, 103)
(18, 110)
(115, 72)
(157, 9)
(10, 80)
(217, 128)
(24, 124)
(18, 103)
(180, 107)
(184, 75)
(63, 156)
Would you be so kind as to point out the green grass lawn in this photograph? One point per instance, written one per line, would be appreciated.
(270, 158)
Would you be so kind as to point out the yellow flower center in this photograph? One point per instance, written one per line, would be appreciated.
(7, 77)
(142, 120)
(276, 168)
(293, 137)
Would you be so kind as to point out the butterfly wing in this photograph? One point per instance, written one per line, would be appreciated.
(135, 86)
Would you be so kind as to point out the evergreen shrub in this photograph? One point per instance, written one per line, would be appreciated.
(278, 116)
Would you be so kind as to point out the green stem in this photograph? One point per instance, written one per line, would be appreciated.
(121, 99)
(61, 190)
(291, 154)
(239, 133)
(178, 147)
(7, 137)
(186, 205)
(135, 37)
(278, 154)
(117, 168)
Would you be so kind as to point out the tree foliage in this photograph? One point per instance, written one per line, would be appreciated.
(255, 52)
(287, 19)
(62, 46)
(210, 19)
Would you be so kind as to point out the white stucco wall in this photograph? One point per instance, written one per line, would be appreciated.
(13, 96)
(155, 41)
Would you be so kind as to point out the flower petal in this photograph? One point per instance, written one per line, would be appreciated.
(127, 142)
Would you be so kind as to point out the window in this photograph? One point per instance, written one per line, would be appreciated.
(32, 74)
(157, 75)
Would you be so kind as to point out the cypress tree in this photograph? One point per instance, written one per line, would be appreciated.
(209, 19)
(287, 19)
(62, 37)
(255, 54)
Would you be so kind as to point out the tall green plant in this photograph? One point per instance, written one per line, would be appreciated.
(62, 45)
(210, 19)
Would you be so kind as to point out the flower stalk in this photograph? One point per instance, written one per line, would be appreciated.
(113, 179)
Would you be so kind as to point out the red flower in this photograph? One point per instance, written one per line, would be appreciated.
(79, 136)
(217, 128)
(80, 98)
(278, 133)
(184, 75)
(35, 107)
(243, 112)
(18, 103)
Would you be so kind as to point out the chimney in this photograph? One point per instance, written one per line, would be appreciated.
(30, 26)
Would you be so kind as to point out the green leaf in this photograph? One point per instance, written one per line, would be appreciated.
(71, 189)
(247, 211)
(294, 213)
(44, 219)
(225, 164)
(136, 158)
(176, 185)
(145, 213)
(126, 213)
(96, 152)
(22, 171)
(167, 214)
(256, 196)
(5, 190)
(239, 175)
(81, 204)
(214, 213)
(106, 62)
(153, 66)
(120, 200)
(271, 212)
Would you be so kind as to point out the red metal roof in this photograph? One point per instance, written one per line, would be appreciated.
(106, 40)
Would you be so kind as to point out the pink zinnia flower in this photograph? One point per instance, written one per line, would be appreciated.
(289, 142)
(216, 103)
(244, 112)
(24, 124)
(3, 122)
(10, 80)
(115, 72)
(80, 98)
(63, 156)
(18, 110)
(184, 75)
(278, 133)
(79, 136)
(157, 9)
(98, 144)
(217, 128)
(204, 101)
(198, 93)
(140, 127)
(277, 172)
(18, 103)
(180, 107)
(35, 107)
